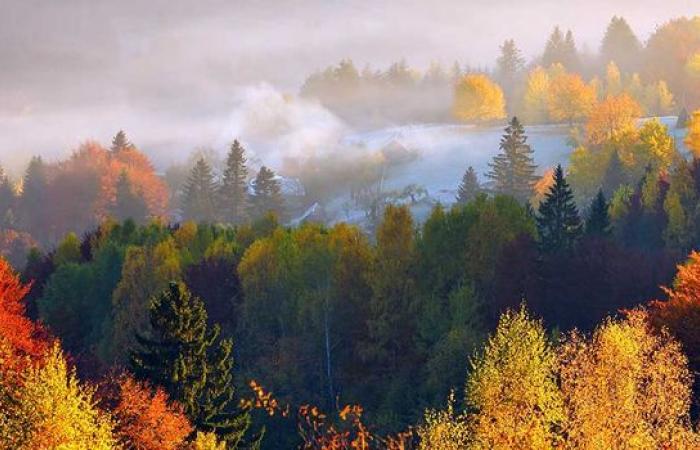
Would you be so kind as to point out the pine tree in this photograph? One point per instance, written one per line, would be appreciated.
(509, 66)
(120, 142)
(469, 188)
(187, 358)
(598, 221)
(554, 49)
(199, 196)
(620, 45)
(234, 190)
(34, 192)
(7, 200)
(128, 203)
(267, 195)
(513, 170)
(614, 176)
(558, 221)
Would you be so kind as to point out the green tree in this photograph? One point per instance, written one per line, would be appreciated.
(128, 204)
(192, 364)
(199, 195)
(34, 192)
(233, 193)
(267, 194)
(7, 200)
(560, 49)
(509, 67)
(120, 142)
(598, 220)
(558, 221)
(513, 169)
(469, 187)
(620, 45)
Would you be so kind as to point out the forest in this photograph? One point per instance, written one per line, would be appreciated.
(205, 306)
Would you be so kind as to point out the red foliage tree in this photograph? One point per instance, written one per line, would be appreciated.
(24, 340)
(145, 418)
(680, 314)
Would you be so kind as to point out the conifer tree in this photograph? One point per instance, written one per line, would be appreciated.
(683, 118)
(268, 194)
(7, 200)
(620, 45)
(469, 188)
(234, 190)
(614, 176)
(558, 221)
(199, 196)
(509, 66)
(553, 50)
(128, 203)
(187, 358)
(120, 142)
(598, 221)
(34, 192)
(513, 170)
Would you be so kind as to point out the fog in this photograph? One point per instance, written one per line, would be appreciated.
(178, 74)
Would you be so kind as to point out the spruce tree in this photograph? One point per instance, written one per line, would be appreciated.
(513, 169)
(186, 357)
(267, 194)
(120, 142)
(233, 194)
(128, 203)
(620, 45)
(614, 176)
(598, 221)
(683, 117)
(558, 221)
(199, 196)
(34, 192)
(7, 200)
(554, 49)
(469, 188)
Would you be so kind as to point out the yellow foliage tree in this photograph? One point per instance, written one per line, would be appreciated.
(51, 410)
(626, 388)
(570, 99)
(206, 441)
(613, 79)
(513, 388)
(536, 96)
(692, 139)
(613, 118)
(444, 429)
(478, 99)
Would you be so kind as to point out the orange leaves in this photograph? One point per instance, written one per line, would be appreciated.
(25, 338)
(478, 99)
(570, 98)
(613, 118)
(145, 418)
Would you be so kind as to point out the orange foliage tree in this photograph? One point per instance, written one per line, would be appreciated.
(26, 341)
(680, 313)
(570, 98)
(144, 417)
(613, 117)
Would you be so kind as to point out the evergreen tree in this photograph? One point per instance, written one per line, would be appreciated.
(199, 196)
(570, 53)
(34, 192)
(558, 221)
(614, 176)
(7, 200)
(683, 118)
(128, 203)
(469, 188)
(620, 45)
(234, 190)
(509, 66)
(267, 194)
(187, 358)
(554, 49)
(598, 221)
(513, 170)
(120, 142)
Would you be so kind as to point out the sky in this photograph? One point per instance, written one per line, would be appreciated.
(173, 73)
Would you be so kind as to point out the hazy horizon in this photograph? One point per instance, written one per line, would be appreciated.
(174, 74)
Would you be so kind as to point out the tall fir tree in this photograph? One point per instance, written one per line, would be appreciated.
(7, 201)
(233, 193)
(554, 49)
(598, 220)
(199, 198)
(128, 203)
(469, 187)
(620, 45)
(186, 357)
(34, 192)
(570, 53)
(558, 221)
(120, 142)
(614, 175)
(267, 194)
(509, 67)
(513, 169)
